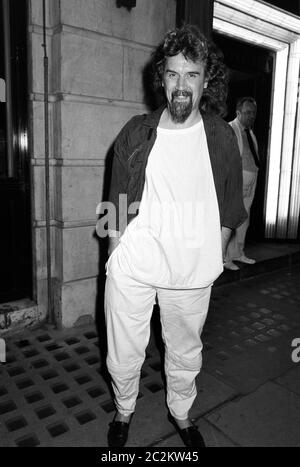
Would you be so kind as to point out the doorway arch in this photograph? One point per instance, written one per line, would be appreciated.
(258, 23)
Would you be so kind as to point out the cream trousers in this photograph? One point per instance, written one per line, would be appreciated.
(128, 310)
(236, 244)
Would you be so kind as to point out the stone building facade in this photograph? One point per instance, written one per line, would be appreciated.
(97, 53)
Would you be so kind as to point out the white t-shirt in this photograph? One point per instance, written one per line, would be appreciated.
(175, 240)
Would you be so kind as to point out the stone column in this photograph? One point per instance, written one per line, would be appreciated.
(97, 56)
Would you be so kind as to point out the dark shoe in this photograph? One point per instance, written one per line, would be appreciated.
(117, 434)
(191, 437)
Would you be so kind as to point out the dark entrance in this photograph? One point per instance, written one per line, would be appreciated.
(251, 75)
(15, 232)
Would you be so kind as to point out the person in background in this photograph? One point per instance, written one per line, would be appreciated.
(242, 125)
(183, 168)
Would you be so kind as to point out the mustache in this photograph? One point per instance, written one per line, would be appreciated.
(179, 93)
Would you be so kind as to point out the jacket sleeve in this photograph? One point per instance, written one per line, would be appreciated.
(118, 173)
(119, 180)
(234, 210)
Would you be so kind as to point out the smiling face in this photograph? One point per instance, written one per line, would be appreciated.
(183, 81)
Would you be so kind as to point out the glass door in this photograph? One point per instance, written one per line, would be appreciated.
(15, 231)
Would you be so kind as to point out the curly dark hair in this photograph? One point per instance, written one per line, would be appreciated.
(189, 41)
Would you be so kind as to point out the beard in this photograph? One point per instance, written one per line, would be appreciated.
(180, 111)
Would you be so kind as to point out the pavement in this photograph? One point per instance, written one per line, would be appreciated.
(55, 391)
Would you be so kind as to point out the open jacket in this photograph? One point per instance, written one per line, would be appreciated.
(131, 151)
(237, 129)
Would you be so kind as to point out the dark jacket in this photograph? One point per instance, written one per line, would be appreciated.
(131, 151)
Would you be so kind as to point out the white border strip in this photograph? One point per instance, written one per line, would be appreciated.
(288, 139)
(275, 142)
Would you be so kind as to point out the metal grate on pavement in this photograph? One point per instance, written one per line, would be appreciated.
(51, 385)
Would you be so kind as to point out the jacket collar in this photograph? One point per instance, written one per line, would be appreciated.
(152, 119)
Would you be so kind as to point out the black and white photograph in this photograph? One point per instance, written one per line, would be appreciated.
(150, 227)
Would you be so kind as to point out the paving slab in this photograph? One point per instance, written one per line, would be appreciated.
(250, 327)
(268, 417)
(211, 435)
(249, 370)
(291, 379)
(211, 392)
(150, 423)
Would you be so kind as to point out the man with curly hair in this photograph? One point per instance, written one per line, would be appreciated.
(181, 167)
